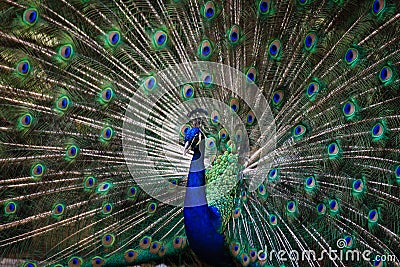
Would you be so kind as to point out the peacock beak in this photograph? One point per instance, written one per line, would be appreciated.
(187, 147)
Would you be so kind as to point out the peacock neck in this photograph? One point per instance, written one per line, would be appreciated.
(196, 176)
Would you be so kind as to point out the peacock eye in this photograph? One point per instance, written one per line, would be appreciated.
(145, 242)
(63, 103)
(239, 136)
(251, 74)
(236, 212)
(377, 131)
(310, 183)
(291, 206)
(333, 150)
(132, 192)
(273, 174)
(358, 186)
(349, 109)
(89, 182)
(261, 190)
(321, 209)
(37, 170)
(235, 248)
(72, 151)
(397, 173)
(334, 205)
(274, 48)
(349, 241)
(234, 104)
(107, 95)
(277, 98)
(264, 6)
(103, 187)
(373, 216)
(107, 133)
(273, 219)
(313, 89)
(152, 207)
(214, 117)
(97, 261)
(210, 143)
(23, 67)
(386, 74)
(223, 134)
(106, 208)
(108, 240)
(378, 6)
(205, 49)
(378, 262)
(207, 79)
(113, 38)
(351, 56)
(160, 39)
(187, 92)
(245, 259)
(209, 10)
(58, 210)
(299, 131)
(10, 207)
(250, 118)
(30, 16)
(310, 41)
(262, 256)
(130, 255)
(149, 84)
(26, 120)
(75, 262)
(234, 34)
(29, 264)
(66, 51)
(303, 2)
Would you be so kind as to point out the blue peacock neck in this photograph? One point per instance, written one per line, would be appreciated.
(201, 223)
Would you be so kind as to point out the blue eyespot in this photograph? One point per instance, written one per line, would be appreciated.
(209, 10)
(351, 56)
(160, 39)
(321, 208)
(205, 49)
(72, 152)
(358, 186)
(66, 52)
(373, 216)
(378, 6)
(113, 38)
(386, 75)
(23, 67)
(26, 120)
(264, 6)
(251, 74)
(349, 109)
(207, 80)
(250, 118)
(377, 131)
(310, 41)
(106, 95)
(275, 49)
(333, 150)
(30, 16)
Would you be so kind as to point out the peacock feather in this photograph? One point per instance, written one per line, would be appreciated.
(191, 132)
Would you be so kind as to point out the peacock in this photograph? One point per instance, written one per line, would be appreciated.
(199, 133)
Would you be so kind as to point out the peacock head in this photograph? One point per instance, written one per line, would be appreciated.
(192, 140)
